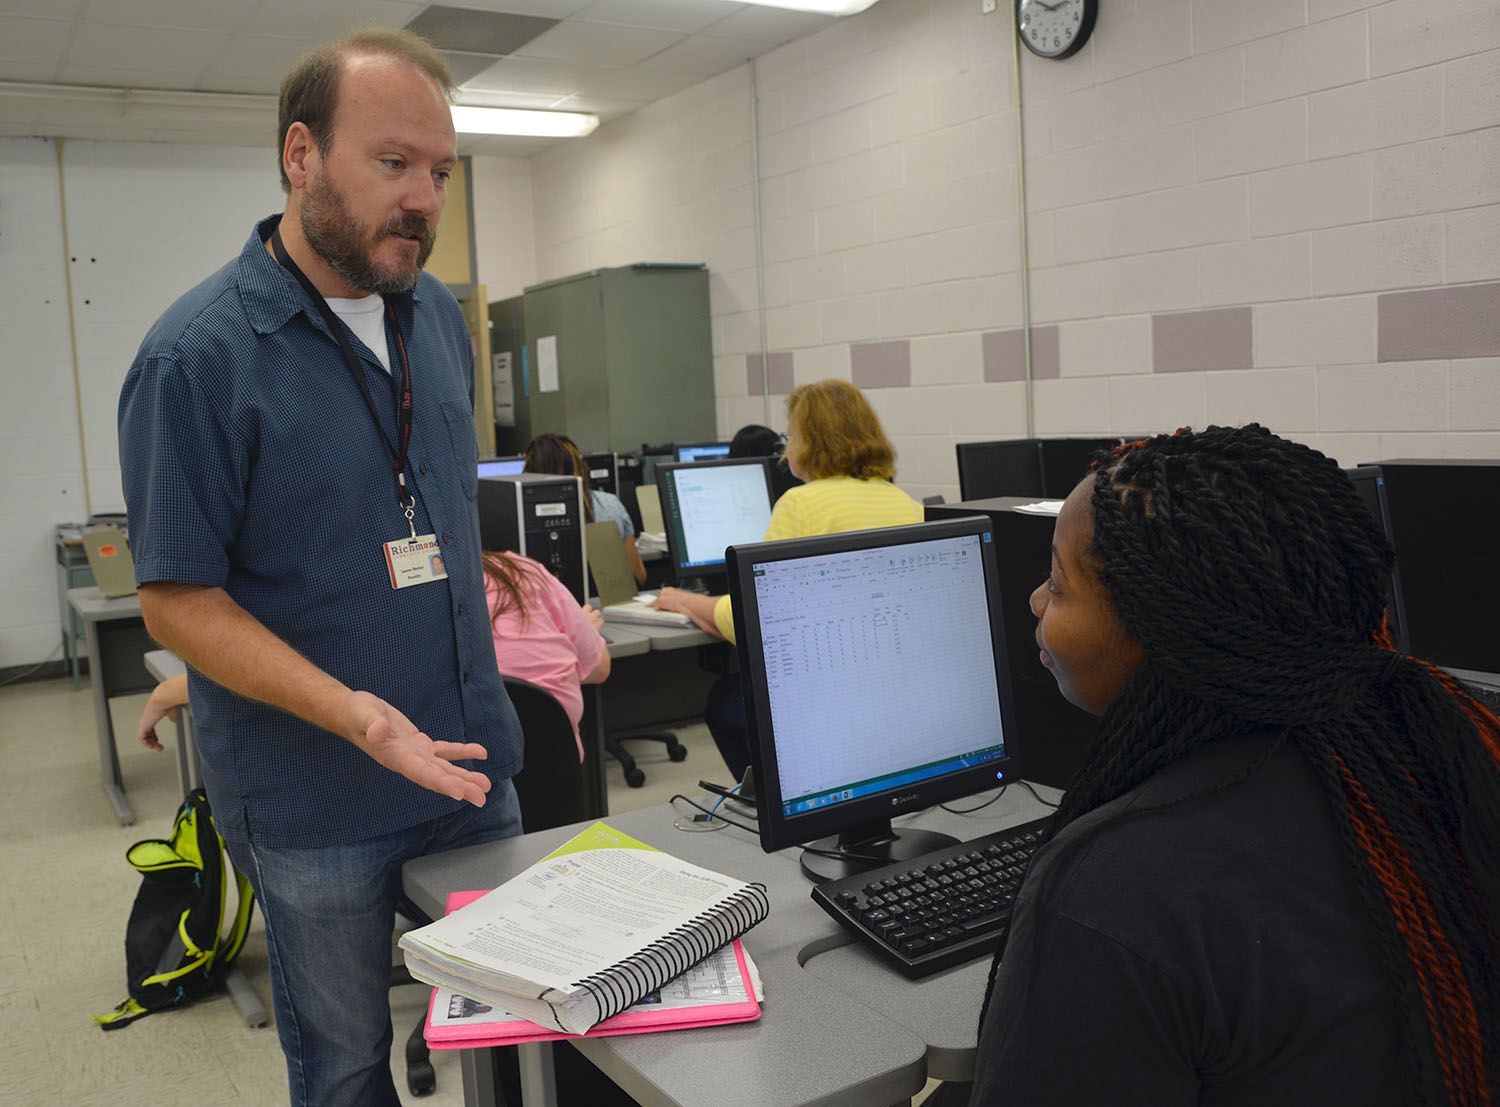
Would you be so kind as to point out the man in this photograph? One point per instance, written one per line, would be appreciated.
(297, 443)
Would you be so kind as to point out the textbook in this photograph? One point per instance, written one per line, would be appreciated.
(586, 932)
(723, 989)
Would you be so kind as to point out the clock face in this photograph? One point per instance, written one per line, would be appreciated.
(1056, 29)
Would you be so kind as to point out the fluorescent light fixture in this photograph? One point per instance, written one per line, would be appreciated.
(468, 120)
(819, 7)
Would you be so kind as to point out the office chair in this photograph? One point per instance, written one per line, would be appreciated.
(633, 775)
(552, 787)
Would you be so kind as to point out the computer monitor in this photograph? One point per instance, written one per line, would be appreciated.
(876, 683)
(1370, 484)
(1012, 467)
(701, 451)
(709, 505)
(1445, 527)
(502, 466)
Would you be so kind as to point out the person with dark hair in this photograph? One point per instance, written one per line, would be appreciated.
(298, 458)
(542, 634)
(755, 440)
(836, 444)
(559, 455)
(1276, 878)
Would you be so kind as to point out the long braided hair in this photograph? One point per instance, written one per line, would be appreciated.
(1253, 577)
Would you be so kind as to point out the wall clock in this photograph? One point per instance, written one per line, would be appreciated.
(1057, 29)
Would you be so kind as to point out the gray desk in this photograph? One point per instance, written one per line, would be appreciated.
(163, 665)
(839, 1029)
(117, 645)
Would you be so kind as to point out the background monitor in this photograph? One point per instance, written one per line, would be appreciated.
(709, 505)
(1445, 527)
(1370, 484)
(876, 683)
(502, 466)
(702, 451)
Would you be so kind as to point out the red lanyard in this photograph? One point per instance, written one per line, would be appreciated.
(341, 333)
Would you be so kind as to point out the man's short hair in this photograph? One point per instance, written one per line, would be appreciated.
(310, 92)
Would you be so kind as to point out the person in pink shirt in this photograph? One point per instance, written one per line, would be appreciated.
(542, 634)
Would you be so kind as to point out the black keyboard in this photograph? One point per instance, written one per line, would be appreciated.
(940, 909)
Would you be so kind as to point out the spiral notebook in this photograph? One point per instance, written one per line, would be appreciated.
(725, 988)
(585, 933)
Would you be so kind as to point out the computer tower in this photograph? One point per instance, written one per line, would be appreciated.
(1444, 518)
(540, 516)
(601, 468)
(1039, 468)
(1053, 736)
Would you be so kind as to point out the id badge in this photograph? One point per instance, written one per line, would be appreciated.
(414, 560)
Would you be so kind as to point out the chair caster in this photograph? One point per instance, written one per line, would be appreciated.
(635, 778)
(420, 1079)
(676, 750)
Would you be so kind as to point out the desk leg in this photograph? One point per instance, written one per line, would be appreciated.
(481, 1085)
(246, 1002)
(538, 1077)
(109, 756)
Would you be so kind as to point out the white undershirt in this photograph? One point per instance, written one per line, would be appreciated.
(366, 318)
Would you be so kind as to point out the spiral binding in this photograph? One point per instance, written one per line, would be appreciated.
(671, 955)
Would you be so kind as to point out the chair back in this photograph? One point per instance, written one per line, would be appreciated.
(551, 787)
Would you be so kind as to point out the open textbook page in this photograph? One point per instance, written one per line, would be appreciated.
(585, 932)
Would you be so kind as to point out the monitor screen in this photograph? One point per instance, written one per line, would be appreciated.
(701, 451)
(1012, 467)
(709, 505)
(876, 682)
(501, 466)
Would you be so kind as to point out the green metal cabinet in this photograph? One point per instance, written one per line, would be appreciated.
(634, 358)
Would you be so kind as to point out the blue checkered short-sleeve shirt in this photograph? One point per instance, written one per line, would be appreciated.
(251, 462)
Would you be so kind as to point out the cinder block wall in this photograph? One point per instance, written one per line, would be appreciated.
(1286, 210)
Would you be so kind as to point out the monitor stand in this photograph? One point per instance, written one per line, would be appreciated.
(868, 847)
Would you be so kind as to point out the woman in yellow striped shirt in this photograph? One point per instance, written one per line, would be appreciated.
(835, 443)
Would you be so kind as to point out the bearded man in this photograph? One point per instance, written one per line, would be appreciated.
(299, 462)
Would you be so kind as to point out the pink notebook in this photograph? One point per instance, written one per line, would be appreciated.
(455, 1022)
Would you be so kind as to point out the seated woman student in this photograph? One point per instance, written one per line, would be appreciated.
(542, 634)
(1276, 880)
(836, 445)
(557, 454)
(754, 440)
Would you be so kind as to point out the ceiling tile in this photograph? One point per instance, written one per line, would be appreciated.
(600, 43)
(49, 9)
(704, 55)
(477, 32)
(172, 52)
(667, 15)
(526, 75)
(322, 20)
(31, 40)
(549, 9)
(259, 61)
(190, 15)
(772, 25)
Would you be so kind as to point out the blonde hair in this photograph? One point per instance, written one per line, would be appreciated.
(834, 432)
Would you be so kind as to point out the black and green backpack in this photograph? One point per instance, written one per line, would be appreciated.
(176, 946)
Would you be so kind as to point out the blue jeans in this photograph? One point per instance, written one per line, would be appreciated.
(330, 915)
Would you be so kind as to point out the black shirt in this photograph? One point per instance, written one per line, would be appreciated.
(1215, 951)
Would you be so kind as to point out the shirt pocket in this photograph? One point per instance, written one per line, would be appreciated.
(460, 420)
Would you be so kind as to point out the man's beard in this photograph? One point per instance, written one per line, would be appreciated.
(331, 230)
